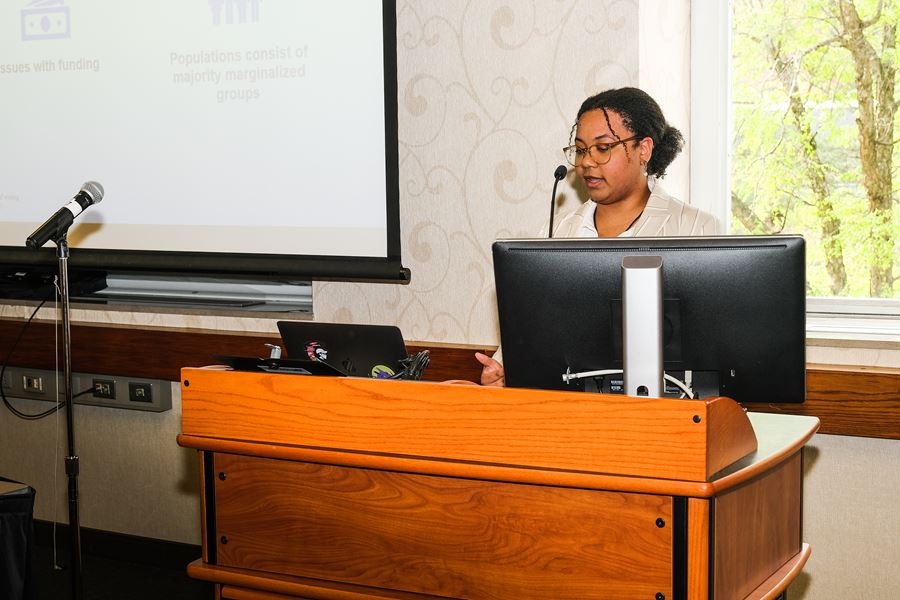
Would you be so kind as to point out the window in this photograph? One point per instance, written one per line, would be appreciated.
(804, 146)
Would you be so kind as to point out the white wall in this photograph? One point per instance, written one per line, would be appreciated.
(850, 519)
(133, 477)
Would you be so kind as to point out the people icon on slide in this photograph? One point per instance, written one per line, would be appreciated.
(247, 11)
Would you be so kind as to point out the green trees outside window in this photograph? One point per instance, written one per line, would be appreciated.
(815, 103)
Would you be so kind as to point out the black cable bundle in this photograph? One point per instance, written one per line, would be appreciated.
(413, 366)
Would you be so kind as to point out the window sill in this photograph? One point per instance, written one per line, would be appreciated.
(866, 331)
(870, 341)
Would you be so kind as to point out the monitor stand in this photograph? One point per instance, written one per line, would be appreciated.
(642, 326)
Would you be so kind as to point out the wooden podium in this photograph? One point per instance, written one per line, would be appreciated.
(346, 488)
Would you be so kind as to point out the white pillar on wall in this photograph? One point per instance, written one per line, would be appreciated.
(665, 73)
(710, 101)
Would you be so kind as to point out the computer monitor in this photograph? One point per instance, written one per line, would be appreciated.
(734, 314)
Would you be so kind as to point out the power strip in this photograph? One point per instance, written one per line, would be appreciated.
(152, 395)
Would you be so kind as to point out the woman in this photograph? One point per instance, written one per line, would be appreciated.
(622, 145)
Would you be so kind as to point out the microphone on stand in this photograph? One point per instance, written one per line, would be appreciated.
(55, 228)
(90, 193)
(558, 174)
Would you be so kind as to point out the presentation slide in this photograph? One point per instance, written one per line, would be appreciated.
(252, 126)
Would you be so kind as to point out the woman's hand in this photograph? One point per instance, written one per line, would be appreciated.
(491, 372)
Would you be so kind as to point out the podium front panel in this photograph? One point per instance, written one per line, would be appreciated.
(447, 537)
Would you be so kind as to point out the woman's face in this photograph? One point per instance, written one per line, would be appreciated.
(623, 175)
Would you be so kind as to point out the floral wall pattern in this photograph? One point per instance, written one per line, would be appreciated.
(488, 91)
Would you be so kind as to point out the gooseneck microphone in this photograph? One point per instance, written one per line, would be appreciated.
(54, 227)
(558, 174)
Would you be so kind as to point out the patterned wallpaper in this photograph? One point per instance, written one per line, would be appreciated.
(488, 91)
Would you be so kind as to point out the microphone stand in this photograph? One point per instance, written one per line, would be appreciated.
(557, 175)
(71, 460)
(56, 229)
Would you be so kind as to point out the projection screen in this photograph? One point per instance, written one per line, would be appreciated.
(235, 138)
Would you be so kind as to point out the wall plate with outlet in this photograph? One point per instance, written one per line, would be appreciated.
(153, 395)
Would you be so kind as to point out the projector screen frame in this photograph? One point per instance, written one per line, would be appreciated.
(20, 261)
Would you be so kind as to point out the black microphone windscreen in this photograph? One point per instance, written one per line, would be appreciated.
(560, 172)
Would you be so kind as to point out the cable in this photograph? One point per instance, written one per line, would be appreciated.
(568, 376)
(13, 346)
(684, 387)
(414, 365)
(23, 415)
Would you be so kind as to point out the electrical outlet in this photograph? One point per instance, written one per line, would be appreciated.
(151, 395)
(104, 388)
(32, 383)
(140, 392)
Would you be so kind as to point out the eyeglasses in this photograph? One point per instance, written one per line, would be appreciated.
(600, 153)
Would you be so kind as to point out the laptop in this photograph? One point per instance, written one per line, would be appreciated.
(355, 350)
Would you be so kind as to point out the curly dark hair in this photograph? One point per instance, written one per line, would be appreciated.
(641, 114)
